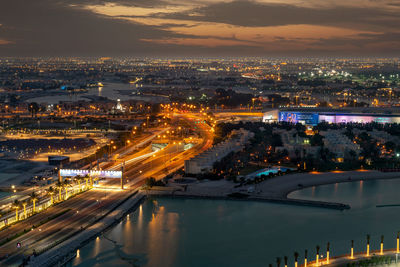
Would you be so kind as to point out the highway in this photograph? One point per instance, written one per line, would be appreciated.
(83, 209)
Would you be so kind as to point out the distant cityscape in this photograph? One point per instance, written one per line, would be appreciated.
(205, 133)
(88, 143)
(85, 141)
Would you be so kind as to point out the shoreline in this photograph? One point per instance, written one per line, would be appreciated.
(65, 251)
(276, 189)
(325, 178)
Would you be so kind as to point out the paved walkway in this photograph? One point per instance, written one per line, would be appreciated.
(343, 260)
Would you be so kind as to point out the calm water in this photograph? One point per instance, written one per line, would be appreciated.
(179, 232)
(110, 90)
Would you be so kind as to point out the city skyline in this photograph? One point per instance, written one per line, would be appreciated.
(199, 133)
(199, 28)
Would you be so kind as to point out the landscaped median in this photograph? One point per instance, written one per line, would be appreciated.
(22, 211)
(8, 239)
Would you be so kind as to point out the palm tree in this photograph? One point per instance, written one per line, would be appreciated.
(50, 191)
(67, 183)
(87, 177)
(24, 205)
(78, 180)
(59, 186)
(317, 258)
(16, 206)
(382, 244)
(285, 259)
(278, 262)
(368, 238)
(34, 199)
(91, 180)
(296, 256)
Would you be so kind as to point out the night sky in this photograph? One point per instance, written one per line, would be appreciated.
(199, 28)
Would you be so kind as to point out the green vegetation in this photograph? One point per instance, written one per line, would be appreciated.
(150, 182)
(373, 261)
(266, 149)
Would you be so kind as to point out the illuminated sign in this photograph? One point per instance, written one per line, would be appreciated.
(94, 173)
(299, 117)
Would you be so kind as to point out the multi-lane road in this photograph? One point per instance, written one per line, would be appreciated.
(83, 209)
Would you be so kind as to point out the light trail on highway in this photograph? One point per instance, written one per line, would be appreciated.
(90, 205)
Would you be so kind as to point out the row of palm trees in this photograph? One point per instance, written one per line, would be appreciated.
(17, 205)
(51, 191)
(327, 261)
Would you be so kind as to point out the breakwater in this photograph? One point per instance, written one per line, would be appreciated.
(289, 201)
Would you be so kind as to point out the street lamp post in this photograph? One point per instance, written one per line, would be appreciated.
(352, 250)
(305, 258)
(327, 254)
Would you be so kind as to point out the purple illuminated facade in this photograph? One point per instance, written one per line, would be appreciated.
(315, 117)
(358, 118)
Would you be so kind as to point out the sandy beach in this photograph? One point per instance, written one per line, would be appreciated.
(275, 189)
(280, 187)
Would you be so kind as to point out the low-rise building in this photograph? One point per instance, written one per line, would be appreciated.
(204, 162)
(339, 144)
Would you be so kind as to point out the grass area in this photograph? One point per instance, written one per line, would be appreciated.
(373, 261)
(8, 239)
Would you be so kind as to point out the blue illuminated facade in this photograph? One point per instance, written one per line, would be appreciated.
(299, 117)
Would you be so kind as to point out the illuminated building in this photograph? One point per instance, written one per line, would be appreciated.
(313, 117)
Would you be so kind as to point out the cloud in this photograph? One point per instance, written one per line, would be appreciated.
(254, 14)
(47, 27)
(4, 42)
(206, 27)
(203, 42)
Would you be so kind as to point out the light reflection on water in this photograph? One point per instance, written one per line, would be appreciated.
(187, 232)
(109, 90)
